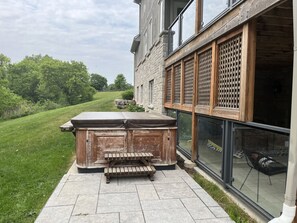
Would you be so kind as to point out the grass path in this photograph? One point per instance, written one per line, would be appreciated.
(35, 154)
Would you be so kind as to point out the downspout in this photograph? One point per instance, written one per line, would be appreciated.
(289, 207)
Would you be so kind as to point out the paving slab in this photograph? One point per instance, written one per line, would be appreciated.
(173, 197)
(147, 192)
(172, 216)
(97, 218)
(132, 217)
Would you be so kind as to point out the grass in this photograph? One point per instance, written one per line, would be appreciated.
(236, 213)
(35, 154)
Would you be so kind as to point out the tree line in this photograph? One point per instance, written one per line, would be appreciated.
(41, 83)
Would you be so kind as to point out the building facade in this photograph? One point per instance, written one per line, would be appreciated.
(224, 69)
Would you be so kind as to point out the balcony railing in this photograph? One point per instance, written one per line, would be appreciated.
(183, 27)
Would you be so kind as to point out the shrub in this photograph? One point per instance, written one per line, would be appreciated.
(128, 94)
(23, 108)
(135, 108)
(8, 99)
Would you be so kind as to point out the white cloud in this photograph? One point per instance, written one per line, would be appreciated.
(98, 33)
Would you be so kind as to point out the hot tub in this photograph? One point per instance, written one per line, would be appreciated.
(97, 133)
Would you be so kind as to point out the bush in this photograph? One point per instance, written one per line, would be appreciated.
(23, 108)
(135, 108)
(128, 94)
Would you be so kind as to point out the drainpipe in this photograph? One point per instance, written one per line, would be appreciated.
(289, 207)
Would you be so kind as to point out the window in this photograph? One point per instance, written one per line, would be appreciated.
(137, 93)
(150, 35)
(141, 94)
(161, 3)
(151, 92)
(260, 159)
(210, 143)
(144, 43)
(184, 122)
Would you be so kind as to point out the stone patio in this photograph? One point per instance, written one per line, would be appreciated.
(173, 197)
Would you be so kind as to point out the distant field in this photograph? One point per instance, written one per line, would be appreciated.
(35, 154)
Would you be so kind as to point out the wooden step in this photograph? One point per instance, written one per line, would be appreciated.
(121, 171)
(128, 156)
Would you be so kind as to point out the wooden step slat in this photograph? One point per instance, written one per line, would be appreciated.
(128, 156)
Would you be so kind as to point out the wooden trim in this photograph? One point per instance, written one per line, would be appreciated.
(165, 86)
(182, 84)
(167, 105)
(229, 36)
(187, 108)
(248, 71)
(213, 81)
(195, 79)
(198, 22)
(202, 109)
(226, 113)
(202, 50)
(177, 106)
(189, 57)
(194, 102)
(172, 84)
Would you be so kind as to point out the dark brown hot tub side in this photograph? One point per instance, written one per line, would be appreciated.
(98, 133)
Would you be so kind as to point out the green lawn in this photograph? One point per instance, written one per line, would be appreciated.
(35, 154)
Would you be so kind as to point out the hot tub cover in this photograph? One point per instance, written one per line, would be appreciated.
(122, 120)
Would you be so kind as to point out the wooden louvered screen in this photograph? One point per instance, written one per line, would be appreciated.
(229, 68)
(168, 86)
(189, 80)
(204, 77)
(177, 79)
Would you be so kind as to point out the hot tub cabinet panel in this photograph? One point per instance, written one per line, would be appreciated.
(133, 133)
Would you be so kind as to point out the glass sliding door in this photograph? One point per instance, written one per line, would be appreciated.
(210, 141)
(260, 160)
(184, 123)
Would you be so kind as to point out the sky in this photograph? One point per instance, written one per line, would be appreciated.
(98, 33)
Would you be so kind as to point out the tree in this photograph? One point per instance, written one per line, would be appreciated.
(4, 65)
(65, 82)
(98, 82)
(120, 83)
(24, 78)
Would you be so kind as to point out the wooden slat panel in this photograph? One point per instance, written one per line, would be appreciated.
(189, 81)
(177, 83)
(204, 77)
(168, 86)
(229, 73)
